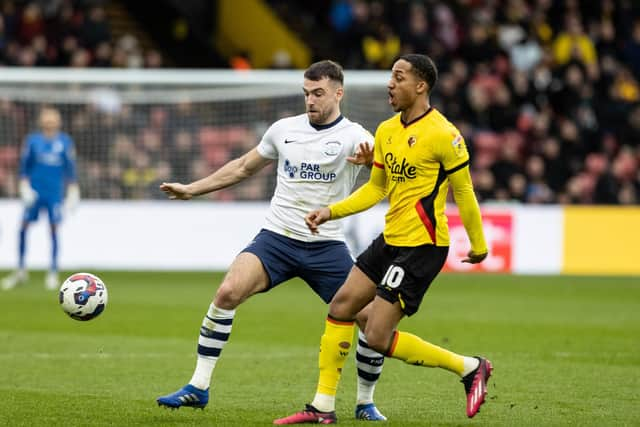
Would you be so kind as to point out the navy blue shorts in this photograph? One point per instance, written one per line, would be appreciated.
(323, 265)
(53, 207)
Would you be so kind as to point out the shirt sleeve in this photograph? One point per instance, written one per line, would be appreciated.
(26, 158)
(468, 207)
(365, 136)
(453, 152)
(267, 146)
(70, 161)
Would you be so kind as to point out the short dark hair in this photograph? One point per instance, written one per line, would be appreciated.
(423, 67)
(327, 68)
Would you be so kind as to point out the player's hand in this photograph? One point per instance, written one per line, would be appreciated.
(72, 199)
(27, 193)
(363, 155)
(317, 217)
(175, 190)
(474, 258)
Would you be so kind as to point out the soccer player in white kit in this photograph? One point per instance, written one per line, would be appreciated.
(319, 156)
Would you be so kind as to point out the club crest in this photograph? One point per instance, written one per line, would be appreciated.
(411, 141)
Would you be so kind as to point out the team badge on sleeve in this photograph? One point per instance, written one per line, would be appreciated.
(458, 146)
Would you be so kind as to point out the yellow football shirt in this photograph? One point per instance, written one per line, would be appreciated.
(412, 164)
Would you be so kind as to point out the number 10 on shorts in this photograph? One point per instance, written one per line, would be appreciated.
(393, 277)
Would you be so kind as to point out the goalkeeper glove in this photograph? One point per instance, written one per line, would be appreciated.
(72, 198)
(27, 194)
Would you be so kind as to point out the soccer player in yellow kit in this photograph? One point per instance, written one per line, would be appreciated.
(418, 153)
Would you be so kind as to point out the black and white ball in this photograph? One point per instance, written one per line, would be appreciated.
(83, 296)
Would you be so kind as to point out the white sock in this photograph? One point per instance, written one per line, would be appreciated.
(369, 364)
(470, 364)
(324, 402)
(202, 374)
(214, 334)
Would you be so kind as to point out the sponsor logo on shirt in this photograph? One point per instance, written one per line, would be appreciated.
(308, 171)
(400, 170)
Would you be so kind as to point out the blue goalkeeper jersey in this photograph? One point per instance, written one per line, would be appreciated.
(48, 164)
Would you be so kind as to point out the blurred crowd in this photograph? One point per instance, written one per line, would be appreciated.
(545, 92)
(128, 151)
(66, 33)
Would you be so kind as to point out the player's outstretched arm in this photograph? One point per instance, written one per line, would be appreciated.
(175, 190)
(363, 155)
(231, 173)
(469, 214)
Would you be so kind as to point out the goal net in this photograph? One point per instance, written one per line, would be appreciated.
(135, 129)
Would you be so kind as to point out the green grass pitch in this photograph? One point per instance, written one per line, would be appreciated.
(566, 351)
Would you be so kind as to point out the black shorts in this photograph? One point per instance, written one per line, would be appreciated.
(402, 274)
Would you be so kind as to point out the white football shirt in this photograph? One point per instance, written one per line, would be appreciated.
(313, 172)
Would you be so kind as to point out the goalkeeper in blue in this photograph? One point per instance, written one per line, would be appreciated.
(318, 155)
(47, 183)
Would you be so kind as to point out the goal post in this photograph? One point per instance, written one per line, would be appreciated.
(136, 128)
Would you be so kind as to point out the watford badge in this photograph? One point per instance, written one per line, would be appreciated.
(411, 141)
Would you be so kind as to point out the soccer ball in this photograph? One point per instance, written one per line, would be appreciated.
(83, 296)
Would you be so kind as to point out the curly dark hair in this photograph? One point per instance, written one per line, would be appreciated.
(423, 67)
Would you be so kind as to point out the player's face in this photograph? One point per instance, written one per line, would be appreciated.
(322, 100)
(404, 87)
(50, 121)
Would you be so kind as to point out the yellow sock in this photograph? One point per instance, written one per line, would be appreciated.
(416, 351)
(334, 349)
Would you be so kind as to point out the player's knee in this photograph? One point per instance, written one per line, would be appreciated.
(340, 309)
(377, 341)
(361, 319)
(228, 296)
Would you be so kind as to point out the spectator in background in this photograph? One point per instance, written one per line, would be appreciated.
(380, 47)
(631, 50)
(30, 23)
(47, 182)
(102, 55)
(95, 28)
(240, 61)
(479, 46)
(575, 44)
(153, 59)
(507, 65)
(352, 39)
(416, 36)
(525, 53)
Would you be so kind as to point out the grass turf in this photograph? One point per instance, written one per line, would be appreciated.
(565, 351)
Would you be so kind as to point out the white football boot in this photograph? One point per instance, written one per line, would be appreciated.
(51, 281)
(14, 279)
